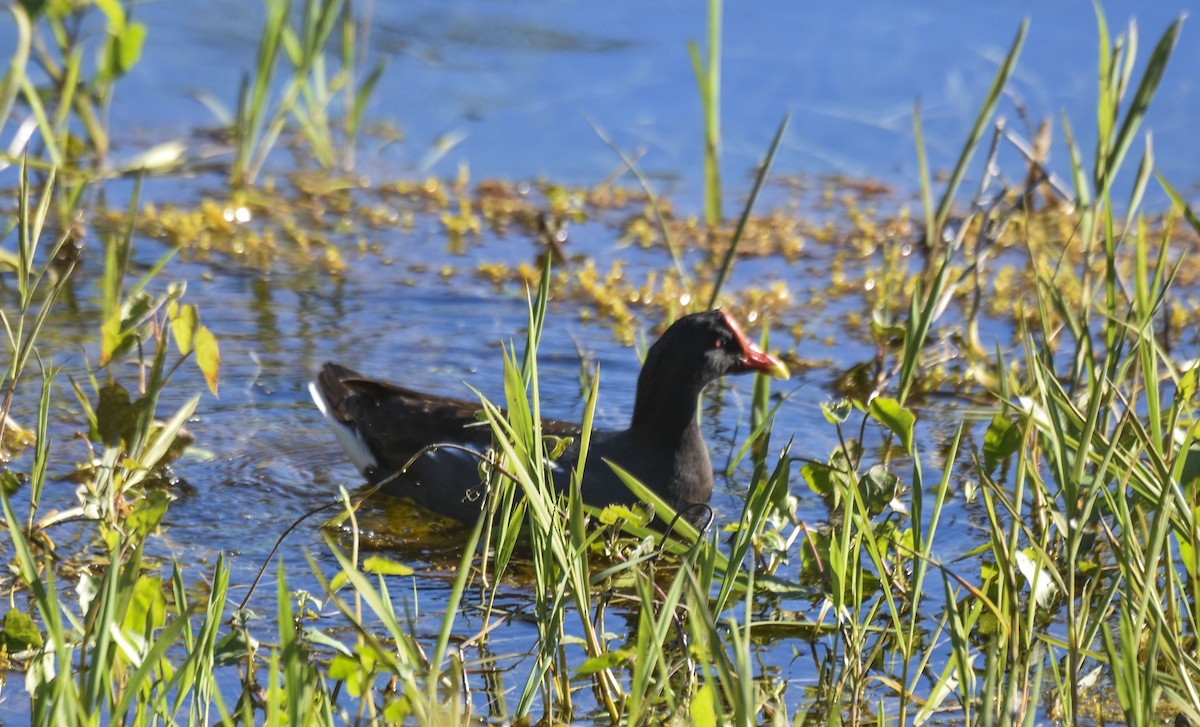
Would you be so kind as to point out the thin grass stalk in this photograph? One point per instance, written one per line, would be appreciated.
(921, 314)
(739, 231)
(48, 136)
(660, 219)
(457, 590)
(981, 121)
(1116, 147)
(761, 496)
(924, 545)
(351, 115)
(10, 84)
(708, 81)
(399, 655)
(252, 98)
(193, 683)
(649, 659)
(556, 551)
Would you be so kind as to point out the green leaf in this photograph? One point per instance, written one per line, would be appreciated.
(836, 412)
(397, 711)
(110, 338)
(901, 421)
(10, 483)
(113, 12)
(386, 567)
(148, 611)
(117, 331)
(148, 513)
(343, 669)
(1002, 438)
(878, 488)
(603, 661)
(20, 632)
(819, 478)
(356, 671)
(115, 414)
(234, 648)
(614, 514)
(183, 325)
(208, 357)
(129, 47)
(703, 709)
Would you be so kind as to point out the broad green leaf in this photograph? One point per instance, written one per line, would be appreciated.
(397, 711)
(117, 331)
(819, 478)
(603, 661)
(891, 414)
(836, 412)
(183, 325)
(703, 709)
(129, 47)
(356, 671)
(148, 611)
(10, 483)
(148, 513)
(232, 649)
(110, 338)
(346, 669)
(878, 488)
(208, 357)
(1002, 438)
(115, 414)
(614, 514)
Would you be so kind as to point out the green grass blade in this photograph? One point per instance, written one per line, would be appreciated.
(10, 84)
(740, 230)
(981, 121)
(1156, 66)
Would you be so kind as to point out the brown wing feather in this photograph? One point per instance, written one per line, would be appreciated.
(396, 422)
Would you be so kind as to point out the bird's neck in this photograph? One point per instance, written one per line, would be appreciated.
(666, 410)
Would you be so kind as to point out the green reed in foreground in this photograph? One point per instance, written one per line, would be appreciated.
(113, 624)
(1077, 603)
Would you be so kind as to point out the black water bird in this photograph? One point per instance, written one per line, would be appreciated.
(381, 426)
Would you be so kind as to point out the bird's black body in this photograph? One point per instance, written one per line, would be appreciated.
(382, 426)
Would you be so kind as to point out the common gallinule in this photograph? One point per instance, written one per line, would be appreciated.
(381, 426)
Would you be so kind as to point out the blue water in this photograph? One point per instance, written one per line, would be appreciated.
(517, 81)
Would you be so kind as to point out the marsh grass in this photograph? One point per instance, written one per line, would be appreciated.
(112, 639)
(306, 94)
(322, 96)
(309, 90)
(1076, 603)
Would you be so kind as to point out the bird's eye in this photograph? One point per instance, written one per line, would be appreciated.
(718, 343)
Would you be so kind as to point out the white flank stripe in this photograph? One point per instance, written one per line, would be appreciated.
(351, 441)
